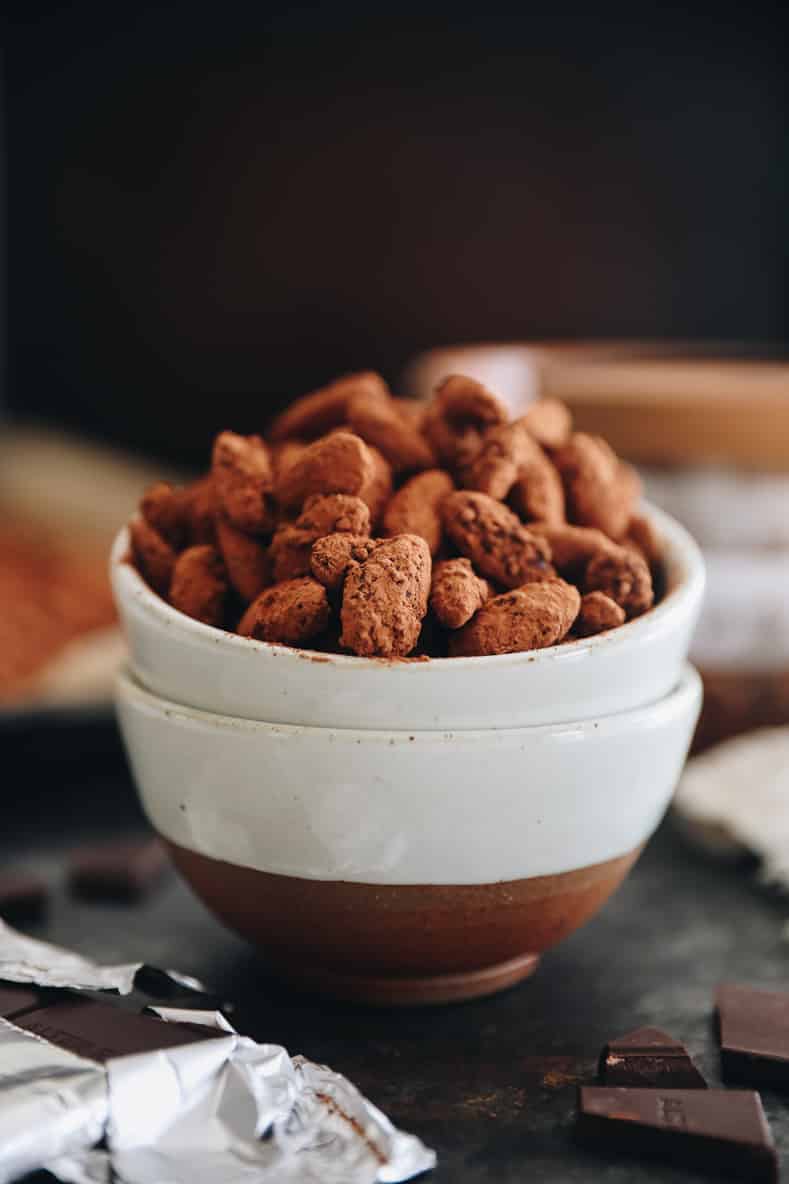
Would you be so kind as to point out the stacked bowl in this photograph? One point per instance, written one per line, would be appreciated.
(407, 831)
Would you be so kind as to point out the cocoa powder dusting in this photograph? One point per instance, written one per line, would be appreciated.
(527, 618)
(243, 480)
(548, 421)
(246, 559)
(456, 592)
(199, 584)
(461, 412)
(378, 487)
(385, 598)
(292, 612)
(416, 507)
(598, 613)
(317, 413)
(153, 555)
(381, 423)
(337, 463)
(332, 555)
(643, 535)
(572, 546)
(495, 540)
(623, 575)
(504, 453)
(323, 514)
(600, 491)
(201, 509)
(164, 509)
(538, 493)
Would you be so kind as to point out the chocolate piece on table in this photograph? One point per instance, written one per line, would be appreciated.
(179, 990)
(650, 1058)
(100, 1031)
(753, 1028)
(118, 871)
(723, 1132)
(23, 897)
(16, 999)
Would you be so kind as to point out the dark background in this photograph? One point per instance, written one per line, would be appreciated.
(213, 209)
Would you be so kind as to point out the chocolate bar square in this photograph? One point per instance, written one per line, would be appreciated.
(649, 1057)
(722, 1132)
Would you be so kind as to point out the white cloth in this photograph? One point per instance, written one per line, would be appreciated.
(735, 799)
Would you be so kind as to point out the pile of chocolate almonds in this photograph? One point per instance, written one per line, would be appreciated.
(379, 526)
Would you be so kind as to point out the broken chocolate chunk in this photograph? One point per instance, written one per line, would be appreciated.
(118, 871)
(722, 1132)
(649, 1058)
(100, 1031)
(14, 1000)
(753, 1028)
(23, 897)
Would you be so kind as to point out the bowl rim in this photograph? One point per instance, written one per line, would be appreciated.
(683, 554)
(687, 690)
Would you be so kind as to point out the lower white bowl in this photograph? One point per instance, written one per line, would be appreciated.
(404, 866)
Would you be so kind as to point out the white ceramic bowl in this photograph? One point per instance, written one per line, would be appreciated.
(191, 663)
(441, 862)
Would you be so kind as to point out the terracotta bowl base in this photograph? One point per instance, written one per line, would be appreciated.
(411, 992)
(401, 944)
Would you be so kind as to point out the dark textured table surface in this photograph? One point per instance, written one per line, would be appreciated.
(489, 1084)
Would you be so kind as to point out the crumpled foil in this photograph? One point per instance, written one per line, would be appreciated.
(224, 1111)
(52, 1102)
(26, 960)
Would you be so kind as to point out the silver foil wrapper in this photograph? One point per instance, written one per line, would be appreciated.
(52, 1102)
(222, 1111)
(25, 960)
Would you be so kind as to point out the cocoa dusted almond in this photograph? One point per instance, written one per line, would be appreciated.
(293, 613)
(495, 540)
(385, 598)
(199, 584)
(527, 618)
(456, 592)
(243, 479)
(416, 507)
(152, 554)
(337, 463)
(317, 413)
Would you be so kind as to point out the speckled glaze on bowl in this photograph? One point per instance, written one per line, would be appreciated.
(405, 867)
(191, 663)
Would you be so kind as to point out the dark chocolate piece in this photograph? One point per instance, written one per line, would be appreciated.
(753, 1028)
(179, 990)
(118, 871)
(100, 1031)
(14, 1000)
(649, 1058)
(723, 1132)
(23, 897)
(162, 984)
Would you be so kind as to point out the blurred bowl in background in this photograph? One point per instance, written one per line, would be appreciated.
(660, 403)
